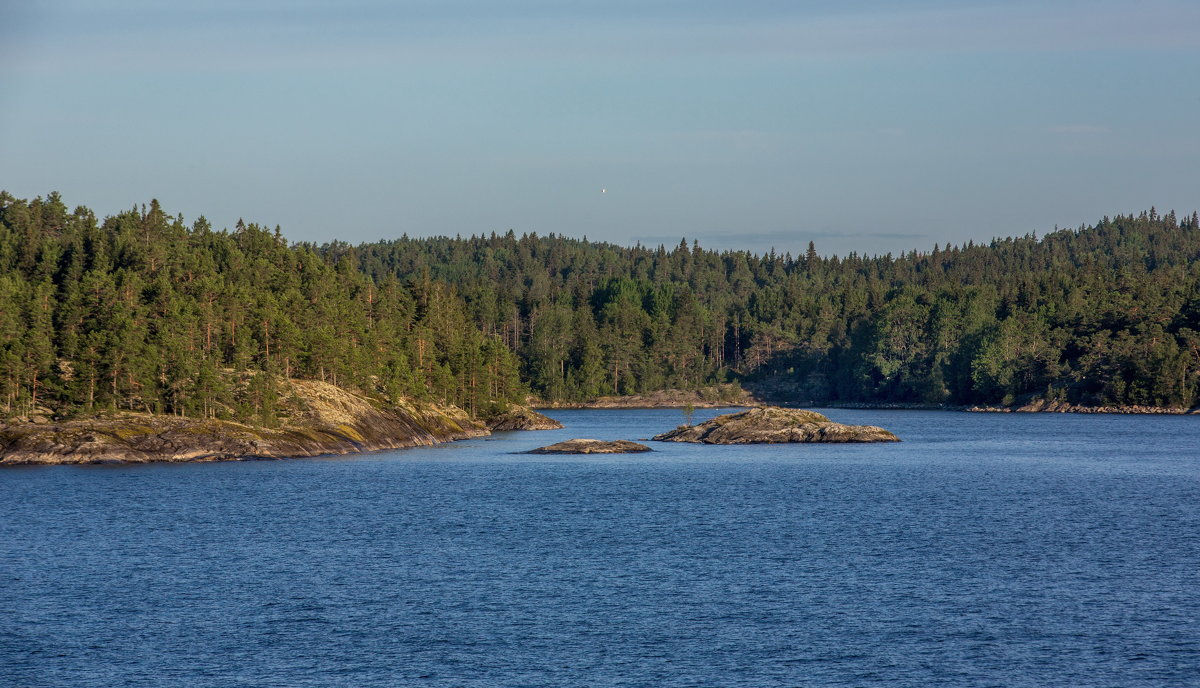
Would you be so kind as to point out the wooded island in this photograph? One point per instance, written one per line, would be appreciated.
(143, 312)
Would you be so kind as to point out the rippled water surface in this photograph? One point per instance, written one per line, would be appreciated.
(984, 550)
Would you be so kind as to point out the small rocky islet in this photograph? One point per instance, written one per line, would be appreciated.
(514, 417)
(590, 446)
(772, 424)
(763, 425)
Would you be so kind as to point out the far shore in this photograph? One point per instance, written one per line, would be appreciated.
(650, 402)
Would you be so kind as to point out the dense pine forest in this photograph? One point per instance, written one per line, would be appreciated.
(1106, 315)
(143, 312)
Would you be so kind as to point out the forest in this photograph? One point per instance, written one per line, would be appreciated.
(1100, 315)
(140, 311)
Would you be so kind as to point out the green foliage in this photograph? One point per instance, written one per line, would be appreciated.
(1099, 315)
(143, 313)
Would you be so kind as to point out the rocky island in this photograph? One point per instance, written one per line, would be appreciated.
(587, 446)
(515, 417)
(324, 419)
(772, 424)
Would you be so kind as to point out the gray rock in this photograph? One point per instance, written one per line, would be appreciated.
(336, 421)
(585, 446)
(521, 418)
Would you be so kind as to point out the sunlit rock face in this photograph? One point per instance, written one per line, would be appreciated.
(774, 425)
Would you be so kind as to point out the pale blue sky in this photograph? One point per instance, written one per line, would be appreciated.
(863, 126)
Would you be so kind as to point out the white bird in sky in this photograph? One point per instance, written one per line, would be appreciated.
(604, 190)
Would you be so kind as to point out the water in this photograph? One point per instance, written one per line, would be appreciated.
(985, 550)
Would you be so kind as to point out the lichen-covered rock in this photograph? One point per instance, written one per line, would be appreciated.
(330, 420)
(521, 418)
(773, 425)
(585, 446)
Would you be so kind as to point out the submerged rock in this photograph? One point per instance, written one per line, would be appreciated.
(521, 418)
(772, 424)
(585, 446)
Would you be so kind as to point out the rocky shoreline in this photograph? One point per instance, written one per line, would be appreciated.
(332, 421)
(1042, 406)
(1039, 406)
(650, 401)
(335, 421)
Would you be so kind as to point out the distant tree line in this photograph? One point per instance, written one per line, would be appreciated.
(142, 312)
(1100, 315)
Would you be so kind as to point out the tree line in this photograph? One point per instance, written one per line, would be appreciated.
(141, 311)
(1101, 315)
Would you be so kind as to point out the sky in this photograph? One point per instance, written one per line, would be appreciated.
(871, 127)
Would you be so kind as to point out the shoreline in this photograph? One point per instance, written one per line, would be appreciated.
(1033, 407)
(641, 402)
(130, 438)
(324, 420)
(338, 422)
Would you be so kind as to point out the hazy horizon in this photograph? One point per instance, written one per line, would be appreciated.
(873, 128)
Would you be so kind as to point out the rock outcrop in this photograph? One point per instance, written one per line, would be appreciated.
(516, 417)
(584, 446)
(771, 425)
(326, 420)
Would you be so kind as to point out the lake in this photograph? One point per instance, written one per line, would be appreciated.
(983, 550)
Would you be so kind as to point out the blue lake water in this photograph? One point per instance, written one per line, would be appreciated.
(984, 550)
